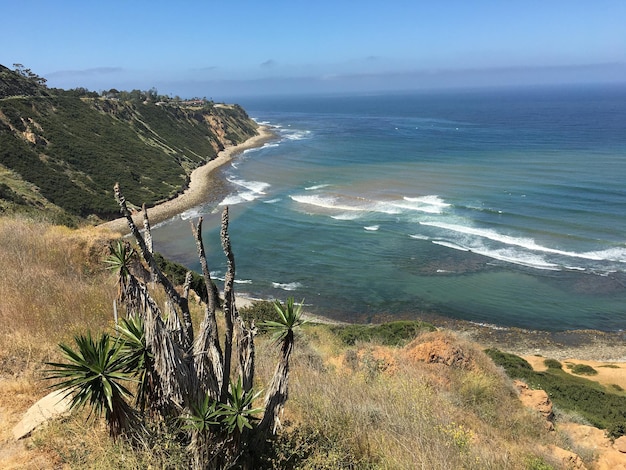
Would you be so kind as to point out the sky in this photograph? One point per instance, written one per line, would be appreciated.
(231, 48)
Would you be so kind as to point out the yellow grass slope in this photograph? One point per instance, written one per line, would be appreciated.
(438, 403)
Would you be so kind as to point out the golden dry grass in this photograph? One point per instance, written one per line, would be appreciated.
(366, 406)
(374, 408)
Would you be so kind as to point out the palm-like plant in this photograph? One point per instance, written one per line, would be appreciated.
(283, 330)
(120, 261)
(203, 415)
(94, 375)
(289, 318)
(238, 413)
(139, 359)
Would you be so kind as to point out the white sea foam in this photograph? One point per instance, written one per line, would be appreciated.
(255, 189)
(272, 201)
(417, 236)
(192, 213)
(346, 216)
(432, 200)
(372, 228)
(616, 254)
(287, 286)
(419, 206)
(519, 258)
(345, 204)
(254, 186)
(454, 246)
(317, 186)
(235, 199)
(293, 134)
(509, 255)
(325, 202)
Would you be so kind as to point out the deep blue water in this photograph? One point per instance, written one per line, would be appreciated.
(506, 207)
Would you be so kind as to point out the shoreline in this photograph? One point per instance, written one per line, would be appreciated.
(197, 191)
(583, 344)
(569, 345)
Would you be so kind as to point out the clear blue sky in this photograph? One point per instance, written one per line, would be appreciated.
(231, 48)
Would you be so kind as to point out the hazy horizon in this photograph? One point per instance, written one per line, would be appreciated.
(247, 49)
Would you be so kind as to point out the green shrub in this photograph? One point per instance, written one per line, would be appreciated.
(601, 406)
(583, 369)
(176, 273)
(616, 430)
(395, 333)
(260, 311)
(553, 364)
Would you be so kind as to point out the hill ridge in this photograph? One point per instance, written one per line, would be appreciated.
(74, 145)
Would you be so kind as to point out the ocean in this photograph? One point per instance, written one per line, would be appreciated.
(504, 207)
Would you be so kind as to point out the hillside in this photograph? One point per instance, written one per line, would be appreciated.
(63, 150)
(394, 396)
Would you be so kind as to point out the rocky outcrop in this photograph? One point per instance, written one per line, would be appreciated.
(609, 455)
(440, 349)
(566, 458)
(537, 400)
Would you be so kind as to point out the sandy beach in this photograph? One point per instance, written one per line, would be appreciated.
(198, 189)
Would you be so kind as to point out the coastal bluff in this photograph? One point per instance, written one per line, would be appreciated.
(62, 151)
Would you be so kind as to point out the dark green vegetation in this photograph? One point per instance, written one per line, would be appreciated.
(74, 145)
(603, 407)
(582, 369)
(176, 273)
(395, 333)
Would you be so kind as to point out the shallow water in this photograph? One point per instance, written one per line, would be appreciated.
(505, 207)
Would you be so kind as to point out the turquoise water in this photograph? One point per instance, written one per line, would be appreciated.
(504, 207)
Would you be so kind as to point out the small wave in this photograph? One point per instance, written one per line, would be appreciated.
(288, 286)
(243, 281)
(346, 216)
(255, 189)
(417, 236)
(292, 134)
(432, 204)
(432, 200)
(345, 204)
(454, 246)
(318, 186)
(235, 199)
(614, 254)
(372, 228)
(254, 186)
(192, 213)
(272, 201)
(520, 258)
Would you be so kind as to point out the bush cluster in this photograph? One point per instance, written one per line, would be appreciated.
(603, 407)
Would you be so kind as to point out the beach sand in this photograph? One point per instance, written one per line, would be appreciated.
(198, 190)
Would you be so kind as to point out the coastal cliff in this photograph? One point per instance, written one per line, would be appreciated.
(61, 151)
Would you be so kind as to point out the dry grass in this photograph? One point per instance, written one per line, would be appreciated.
(51, 287)
(380, 410)
(368, 406)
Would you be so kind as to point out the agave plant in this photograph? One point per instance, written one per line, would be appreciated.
(283, 331)
(94, 376)
(238, 413)
(290, 318)
(139, 360)
(203, 415)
